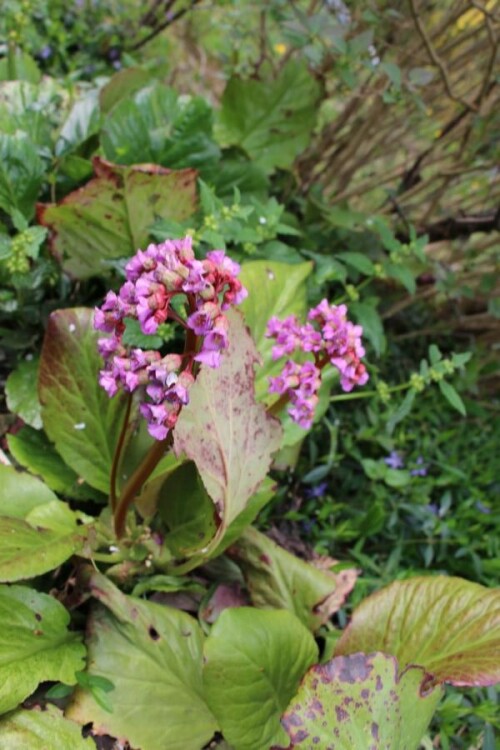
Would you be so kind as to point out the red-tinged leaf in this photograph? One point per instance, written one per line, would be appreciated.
(449, 626)
(109, 218)
(360, 702)
(277, 579)
(225, 432)
(77, 415)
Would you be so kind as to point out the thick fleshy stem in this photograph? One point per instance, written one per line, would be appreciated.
(117, 454)
(136, 481)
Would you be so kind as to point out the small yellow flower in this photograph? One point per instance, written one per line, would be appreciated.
(280, 48)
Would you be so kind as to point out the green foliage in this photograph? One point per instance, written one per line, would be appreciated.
(77, 415)
(333, 166)
(271, 120)
(165, 646)
(35, 644)
(265, 651)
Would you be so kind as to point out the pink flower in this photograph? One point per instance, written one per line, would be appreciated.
(330, 337)
(153, 278)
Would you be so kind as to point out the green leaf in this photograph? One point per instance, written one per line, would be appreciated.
(187, 511)
(225, 432)
(275, 289)
(20, 493)
(402, 411)
(452, 396)
(121, 86)
(449, 626)
(254, 660)
(21, 174)
(403, 274)
(37, 531)
(81, 123)
(277, 579)
(33, 450)
(160, 702)
(367, 315)
(360, 262)
(393, 73)
(35, 644)
(41, 730)
(271, 120)
(109, 218)
(133, 336)
(77, 414)
(359, 702)
(30, 548)
(158, 126)
(22, 395)
(25, 68)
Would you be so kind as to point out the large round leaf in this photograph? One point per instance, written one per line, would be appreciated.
(153, 656)
(77, 414)
(449, 626)
(360, 702)
(35, 644)
(254, 660)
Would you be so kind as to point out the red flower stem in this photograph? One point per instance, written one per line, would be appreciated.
(117, 455)
(135, 482)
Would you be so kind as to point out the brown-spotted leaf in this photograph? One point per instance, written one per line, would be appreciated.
(277, 579)
(153, 655)
(360, 702)
(449, 626)
(109, 217)
(225, 432)
(77, 415)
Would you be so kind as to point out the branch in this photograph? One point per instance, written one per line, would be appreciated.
(460, 226)
(437, 60)
(162, 26)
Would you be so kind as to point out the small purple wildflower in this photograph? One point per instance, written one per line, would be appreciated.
(482, 508)
(154, 276)
(316, 492)
(420, 470)
(394, 460)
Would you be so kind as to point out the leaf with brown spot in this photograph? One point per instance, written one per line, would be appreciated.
(277, 579)
(153, 656)
(225, 432)
(449, 626)
(360, 702)
(109, 217)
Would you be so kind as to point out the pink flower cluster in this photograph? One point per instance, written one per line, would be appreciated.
(154, 277)
(330, 338)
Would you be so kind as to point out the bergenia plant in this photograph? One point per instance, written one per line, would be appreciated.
(244, 652)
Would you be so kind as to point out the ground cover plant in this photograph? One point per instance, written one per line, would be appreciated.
(248, 344)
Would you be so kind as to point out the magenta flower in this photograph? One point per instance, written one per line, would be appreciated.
(330, 338)
(153, 277)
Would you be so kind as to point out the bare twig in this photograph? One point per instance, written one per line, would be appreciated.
(162, 26)
(438, 62)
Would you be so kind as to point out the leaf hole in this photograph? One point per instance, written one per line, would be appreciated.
(153, 633)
